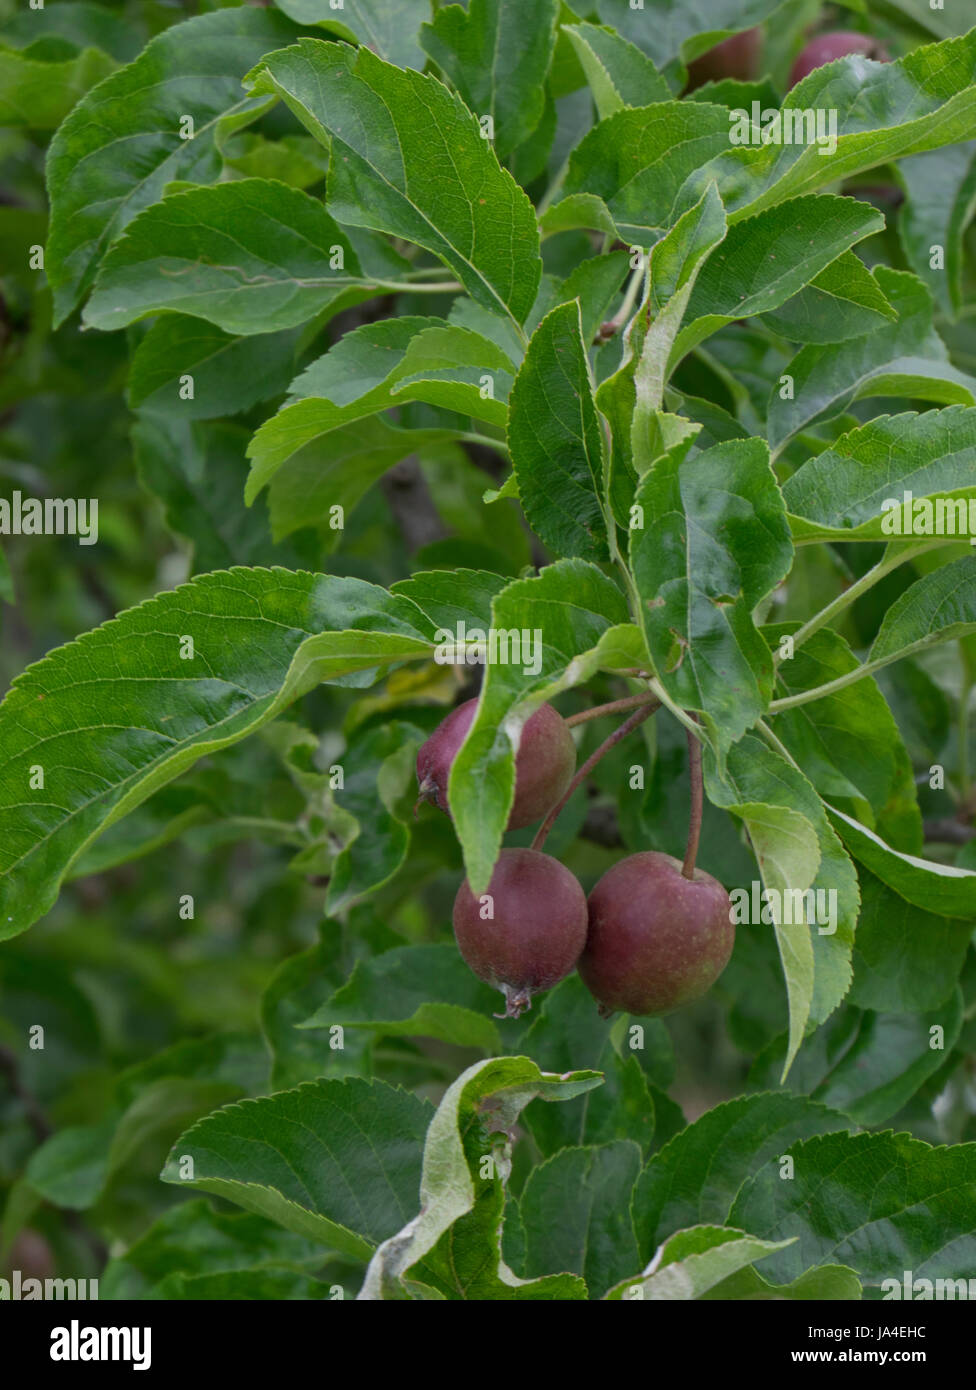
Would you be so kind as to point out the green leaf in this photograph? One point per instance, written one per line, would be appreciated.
(445, 192)
(767, 259)
(908, 359)
(450, 597)
(121, 144)
(942, 23)
(596, 283)
(192, 1239)
(577, 620)
(297, 160)
(692, 1262)
(756, 776)
(39, 94)
(261, 1284)
(260, 639)
(197, 471)
(868, 1065)
(75, 1166)
(70, 1169)
(388, 27)
(939, 606)
(827, 1284)
(414, 991)
(578, 210)
(840, 494)
(788, 854)
(575, 1218)
(556, 440)
(291, 994)
(377, 366)
(452, 1244)
(227, 374)
(883, 111)
(378, 773)
(939, 888)
(337, 1161)
(940, 199)
(637, 161)
(671, 29)
(630, 1104)
(696, 1176)
(632, 397)
(251, 257)
(491, 324)
(848, 743)
(906, 960)
(75, 23)
(843, 301)
(618, 72)
(36, 987)
(152, 1101)
(495, 536)
(715, 542)
(879, 1203)
(337, 470)
(497, 54)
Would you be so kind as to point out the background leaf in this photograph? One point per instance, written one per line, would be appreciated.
(120, 146)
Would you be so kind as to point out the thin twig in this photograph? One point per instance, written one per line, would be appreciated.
(697, 804)
(612, 707)
(948, 832)
(624, 729)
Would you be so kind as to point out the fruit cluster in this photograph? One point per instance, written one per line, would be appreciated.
(740, 57)
(654, 935)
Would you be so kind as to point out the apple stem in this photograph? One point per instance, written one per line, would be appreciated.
(614, 707)
(697, 803)
(647, 707)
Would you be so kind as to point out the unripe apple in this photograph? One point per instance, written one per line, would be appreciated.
(656, 940)
(827, 48)
(735, 57)
(544, 764)
(526, 932)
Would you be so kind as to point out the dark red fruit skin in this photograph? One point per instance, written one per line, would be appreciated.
(656, 940)
(538, 929)
(544, 764)
(735, 57)
(827, 48)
